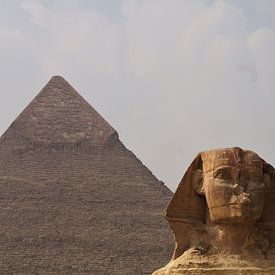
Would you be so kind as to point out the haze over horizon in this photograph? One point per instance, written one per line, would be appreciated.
(172, 77)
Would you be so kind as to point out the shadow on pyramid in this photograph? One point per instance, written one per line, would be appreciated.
(73, 199)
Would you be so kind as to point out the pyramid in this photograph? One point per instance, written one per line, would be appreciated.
(73, 199)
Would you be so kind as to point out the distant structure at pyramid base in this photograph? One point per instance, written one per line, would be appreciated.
(74, 200)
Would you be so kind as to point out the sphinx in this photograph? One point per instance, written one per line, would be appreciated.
(222, 215)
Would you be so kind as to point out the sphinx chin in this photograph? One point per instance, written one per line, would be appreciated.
(222, 215)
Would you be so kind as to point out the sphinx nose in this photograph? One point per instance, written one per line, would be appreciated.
(237, 189)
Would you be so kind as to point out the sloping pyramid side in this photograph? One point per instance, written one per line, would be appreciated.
(85, 208)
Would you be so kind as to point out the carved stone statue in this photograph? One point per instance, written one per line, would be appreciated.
(223, 215)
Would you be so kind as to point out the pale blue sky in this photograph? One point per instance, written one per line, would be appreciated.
(174, 77)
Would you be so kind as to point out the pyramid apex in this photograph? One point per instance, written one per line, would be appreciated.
(58, 78)
(59, 114)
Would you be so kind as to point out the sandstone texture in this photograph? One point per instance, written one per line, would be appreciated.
(73, 199)
(222, 215)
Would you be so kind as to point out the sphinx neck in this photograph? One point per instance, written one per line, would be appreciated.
(232, 237)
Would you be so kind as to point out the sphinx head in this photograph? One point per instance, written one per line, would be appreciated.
(225, 197)
(223, 204)
(233, 182)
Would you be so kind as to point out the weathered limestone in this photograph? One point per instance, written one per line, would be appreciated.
(73, 199)
(223, 216)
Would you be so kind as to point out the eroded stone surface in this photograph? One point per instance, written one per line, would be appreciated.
(222, 215)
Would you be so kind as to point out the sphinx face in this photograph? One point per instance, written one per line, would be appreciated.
(233, 184)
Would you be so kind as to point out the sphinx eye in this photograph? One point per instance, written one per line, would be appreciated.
(222, 174)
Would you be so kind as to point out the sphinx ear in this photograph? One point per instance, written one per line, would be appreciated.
(197, 181)
(268, 174)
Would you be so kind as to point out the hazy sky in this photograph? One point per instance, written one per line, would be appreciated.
(173, 77)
